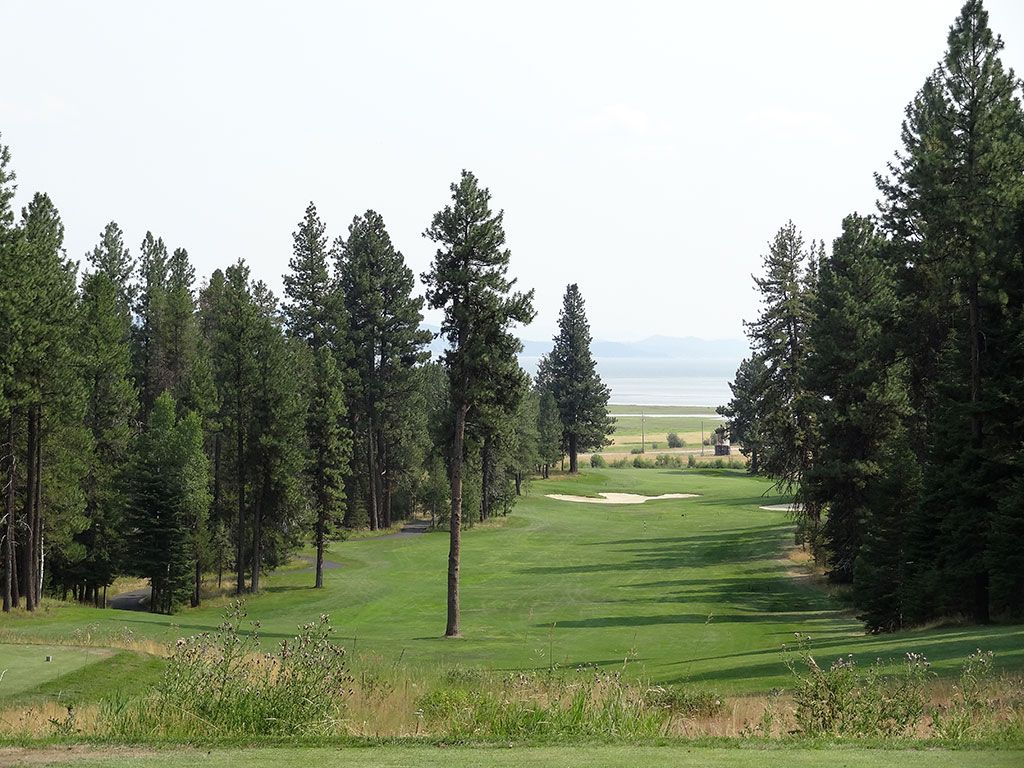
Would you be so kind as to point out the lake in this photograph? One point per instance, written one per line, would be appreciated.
(661, 381)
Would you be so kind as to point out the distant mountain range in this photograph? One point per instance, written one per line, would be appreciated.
(652, 348)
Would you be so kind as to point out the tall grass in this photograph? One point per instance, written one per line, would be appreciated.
(219, 683)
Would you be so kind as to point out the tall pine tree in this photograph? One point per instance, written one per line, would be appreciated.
(469, 281)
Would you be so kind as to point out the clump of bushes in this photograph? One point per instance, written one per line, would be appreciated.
(636, 450)
(675, 441)
(219, 683)
(597, 461)
(842, 700)
(668, 461)
(691, 461)
(641, 463)
(620, 463)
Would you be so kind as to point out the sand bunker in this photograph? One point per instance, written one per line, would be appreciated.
(620, 498)
(781, 507)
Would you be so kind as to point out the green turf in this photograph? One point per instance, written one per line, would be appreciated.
(24, 667)
(538, 757)
(677, 590)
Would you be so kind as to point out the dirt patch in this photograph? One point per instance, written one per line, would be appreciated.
(619, 498)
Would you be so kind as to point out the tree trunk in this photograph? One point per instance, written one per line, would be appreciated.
(196, 599)
(981, 580)
(257, 533)
(455, 523)
(37, 515)
(12, 464)
(28, 570)
(519, 483)
(372, 478)
(485, 480)
(574, 466)
(320, 525)
(240, 533)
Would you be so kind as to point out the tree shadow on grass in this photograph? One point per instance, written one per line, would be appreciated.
(690, 618)
(659, 554)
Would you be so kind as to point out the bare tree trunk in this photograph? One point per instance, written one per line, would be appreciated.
(455, 523)
(197, 583)
(485, 480)
(240, 533)
(257, 533)
(12, 464)
(574, 466)
(37, 516)
(981, 579)
(372, 478)
(28, 549)
(320, 526)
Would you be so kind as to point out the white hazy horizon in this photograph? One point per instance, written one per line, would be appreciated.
(647, 151)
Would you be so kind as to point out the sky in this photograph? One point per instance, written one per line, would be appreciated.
(646, 151)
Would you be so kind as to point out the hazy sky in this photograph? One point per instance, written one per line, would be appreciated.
(645, 150)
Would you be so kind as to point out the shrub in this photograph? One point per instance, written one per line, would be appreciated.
(675, 441)
(219, 683)
(641, 463)
(620, 463)
(597, 461)
(654, 446)
(636, 450)
(691, 461)
(667, 460)
(840, 700)
(969, 703)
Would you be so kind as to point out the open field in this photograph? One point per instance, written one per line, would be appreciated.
(676, 590)
(497, 757)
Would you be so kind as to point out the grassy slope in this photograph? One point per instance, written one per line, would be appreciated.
(553, 757)
(689, 590)
(23, 667)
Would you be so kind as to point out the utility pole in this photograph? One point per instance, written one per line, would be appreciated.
(643, 439)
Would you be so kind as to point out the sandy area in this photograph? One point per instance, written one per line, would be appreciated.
(781, 507)
(620, 498)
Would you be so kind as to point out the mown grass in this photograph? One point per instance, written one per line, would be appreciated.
(450, 756)
(676, 591)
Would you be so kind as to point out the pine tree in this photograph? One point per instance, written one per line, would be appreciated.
(277, 440)
(951, 199)
(864, 403)
(573, 379)
(51, 397)
(330, 449)
(111, 405)
(385, 343)
(778, 337)
(311, 308)
(549, 430)
(744, 408)
(11, 309)
(170, 499)
(151, 308)
(468, 281)
(230, 319)
(111, 259)
(186, 366)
